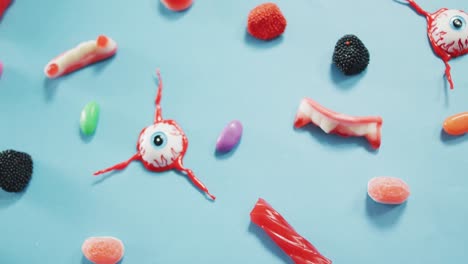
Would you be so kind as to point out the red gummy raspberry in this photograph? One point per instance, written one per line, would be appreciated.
(266, 21)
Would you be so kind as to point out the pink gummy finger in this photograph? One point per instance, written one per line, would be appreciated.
(388, 190)
(344, 125)
(84, 54)
(103, 250)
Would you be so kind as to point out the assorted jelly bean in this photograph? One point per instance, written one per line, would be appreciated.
(229, 137)
(89, 118)
(456, 125)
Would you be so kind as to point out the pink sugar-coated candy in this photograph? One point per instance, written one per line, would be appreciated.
(103, 250)
(1, 68)
(177, 5)
(388, 190)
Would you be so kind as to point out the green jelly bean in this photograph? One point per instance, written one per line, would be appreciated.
(89, 118)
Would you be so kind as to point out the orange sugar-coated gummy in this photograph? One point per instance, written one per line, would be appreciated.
(177, 5)
(456, 125)
(388, 190)
(103, 250)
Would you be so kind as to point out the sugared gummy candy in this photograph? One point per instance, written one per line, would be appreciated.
(103, 250)
(388, 190)
(266, 22)
(177, 5)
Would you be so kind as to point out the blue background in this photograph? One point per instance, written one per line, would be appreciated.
(213, 73)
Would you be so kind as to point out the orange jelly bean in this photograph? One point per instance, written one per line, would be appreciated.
(456, 125)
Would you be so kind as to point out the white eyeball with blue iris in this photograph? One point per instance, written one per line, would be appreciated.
(449, 31)
(161, 147)
(161, 144)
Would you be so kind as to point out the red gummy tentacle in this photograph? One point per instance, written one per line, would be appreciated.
(448, 74)
(278, 229)
(194, 179)
(418, 8)
(158, 115)
(119, 166)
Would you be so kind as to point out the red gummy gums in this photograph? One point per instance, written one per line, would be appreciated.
(177, 5)
(388, 190)
(344, 125)
(266, 22)
(103, 250)
(4, 4)
(278, 229)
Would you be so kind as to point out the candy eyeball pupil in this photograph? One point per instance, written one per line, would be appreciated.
(158, 140)
(457, 23)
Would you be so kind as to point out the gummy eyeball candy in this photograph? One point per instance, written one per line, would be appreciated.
(447, 32)
(161, 147)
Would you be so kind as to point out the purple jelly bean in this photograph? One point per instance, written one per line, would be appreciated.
(229, 137)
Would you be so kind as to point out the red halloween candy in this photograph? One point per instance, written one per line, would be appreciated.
(278, 229)
(266, 22)
(4, 4)
(447, 32)
(177, 5)
(161, 147)
(337, 123)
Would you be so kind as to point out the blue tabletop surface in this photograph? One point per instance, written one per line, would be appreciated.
(213, 73)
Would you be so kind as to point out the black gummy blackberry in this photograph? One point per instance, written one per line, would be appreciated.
(15, 170)
(350, 55)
